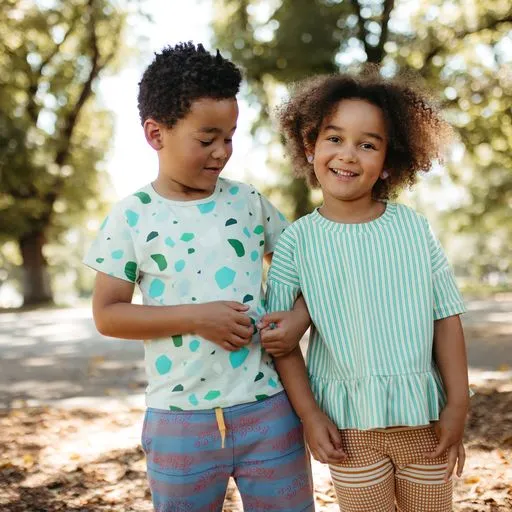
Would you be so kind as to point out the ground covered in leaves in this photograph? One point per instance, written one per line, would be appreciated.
(61, 459)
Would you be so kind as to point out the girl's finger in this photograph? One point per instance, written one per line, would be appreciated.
(461, 459)
(452, 459)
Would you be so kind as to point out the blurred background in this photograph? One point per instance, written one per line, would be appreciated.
(71, 143)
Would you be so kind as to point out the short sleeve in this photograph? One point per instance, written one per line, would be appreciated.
(447, 297)
(274, 223)
(283, 284)
(113, 250)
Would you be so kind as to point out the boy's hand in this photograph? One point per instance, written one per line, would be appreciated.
(450, 430)
(281, 332)
(323, 438)
(225, 323)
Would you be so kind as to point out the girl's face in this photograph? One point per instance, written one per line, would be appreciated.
(350, 151)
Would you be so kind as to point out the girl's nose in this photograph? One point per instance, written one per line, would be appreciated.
(347, 154)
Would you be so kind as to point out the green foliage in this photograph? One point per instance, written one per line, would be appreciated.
(460, 51)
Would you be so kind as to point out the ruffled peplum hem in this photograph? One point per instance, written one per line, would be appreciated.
(381, 401)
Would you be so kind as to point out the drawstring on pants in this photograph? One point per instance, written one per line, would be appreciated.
(219, 415)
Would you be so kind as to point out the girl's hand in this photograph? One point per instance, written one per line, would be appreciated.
(323, 438)
(450, 430)
(281, 331)
(225, 323)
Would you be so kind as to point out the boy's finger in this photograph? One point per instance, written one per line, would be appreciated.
(237, 306)
(461, 459)
(270, 318)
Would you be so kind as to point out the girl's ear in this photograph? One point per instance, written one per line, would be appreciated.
(153, 133)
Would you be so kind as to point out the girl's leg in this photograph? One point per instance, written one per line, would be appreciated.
(365, 480)
(187, 468)
(420, 485)
(272, 466)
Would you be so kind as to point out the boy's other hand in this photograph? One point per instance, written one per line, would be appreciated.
(281, 332)
(226, 323)
(323, 438)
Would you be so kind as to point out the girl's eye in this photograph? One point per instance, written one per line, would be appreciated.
(367, 145)
(334, 139)
(205, 143)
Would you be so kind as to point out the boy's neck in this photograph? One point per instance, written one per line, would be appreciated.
(172, 189)
(358, 211)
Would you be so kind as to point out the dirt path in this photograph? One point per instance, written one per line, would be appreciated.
(73, 454)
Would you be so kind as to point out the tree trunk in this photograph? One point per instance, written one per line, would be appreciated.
(301, 198)
(36, 279)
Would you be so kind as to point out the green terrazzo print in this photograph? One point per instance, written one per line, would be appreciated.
(179, 387)
(247, 298)
(259, 229)
(259, 376)
(238, 246)
(152, 235)
(144, 198)
(179, 265)
(193, 399)
(212, 395)
(230, 222)
(177, 340)
(186, 237)
(130, 270)
(117, 255)
(160, 261)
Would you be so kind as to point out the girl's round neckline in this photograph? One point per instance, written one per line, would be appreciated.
(184, 202)
(360, 227)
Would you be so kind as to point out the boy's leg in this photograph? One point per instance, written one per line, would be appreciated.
(365, 481)
(420, 485)
(187, 468)
(272, 466)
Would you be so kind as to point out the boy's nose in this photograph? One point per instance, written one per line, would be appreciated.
(220, 153)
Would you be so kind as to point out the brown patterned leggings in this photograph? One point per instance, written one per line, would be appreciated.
(386, 467)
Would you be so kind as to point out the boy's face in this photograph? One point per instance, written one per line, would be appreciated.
(194, 151)
(350, 151)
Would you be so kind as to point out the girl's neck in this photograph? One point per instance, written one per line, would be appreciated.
(352, 212)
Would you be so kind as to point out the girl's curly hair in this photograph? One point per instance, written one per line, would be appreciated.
(181, 74)
(416, 130)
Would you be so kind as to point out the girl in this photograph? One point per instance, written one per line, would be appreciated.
(385, 395)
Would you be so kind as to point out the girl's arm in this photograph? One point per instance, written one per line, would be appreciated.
(322, 435)
(223, 322)
(450, 356)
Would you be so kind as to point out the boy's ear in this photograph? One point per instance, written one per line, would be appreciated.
(153, 133)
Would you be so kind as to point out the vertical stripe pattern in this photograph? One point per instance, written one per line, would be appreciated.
(373, 291)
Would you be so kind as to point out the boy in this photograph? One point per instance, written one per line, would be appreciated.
(194, 243)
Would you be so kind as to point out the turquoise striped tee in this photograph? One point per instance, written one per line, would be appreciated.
(373, 291)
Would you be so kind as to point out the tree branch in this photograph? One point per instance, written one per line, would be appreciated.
(461, 34)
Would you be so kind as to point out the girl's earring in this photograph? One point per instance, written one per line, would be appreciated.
(310, 159)
(384, 175)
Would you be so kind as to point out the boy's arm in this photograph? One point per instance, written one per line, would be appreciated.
(450, 357)
(322, 435)
(223, 322)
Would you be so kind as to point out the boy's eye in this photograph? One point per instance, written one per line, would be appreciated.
(205, 142)
(228, 141)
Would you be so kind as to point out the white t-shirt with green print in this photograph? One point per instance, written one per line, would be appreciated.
(190, 252)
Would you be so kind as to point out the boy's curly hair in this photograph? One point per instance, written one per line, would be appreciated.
(416, 131)
(180, 75)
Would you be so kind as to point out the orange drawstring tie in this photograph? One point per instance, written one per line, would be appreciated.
(221, 424)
